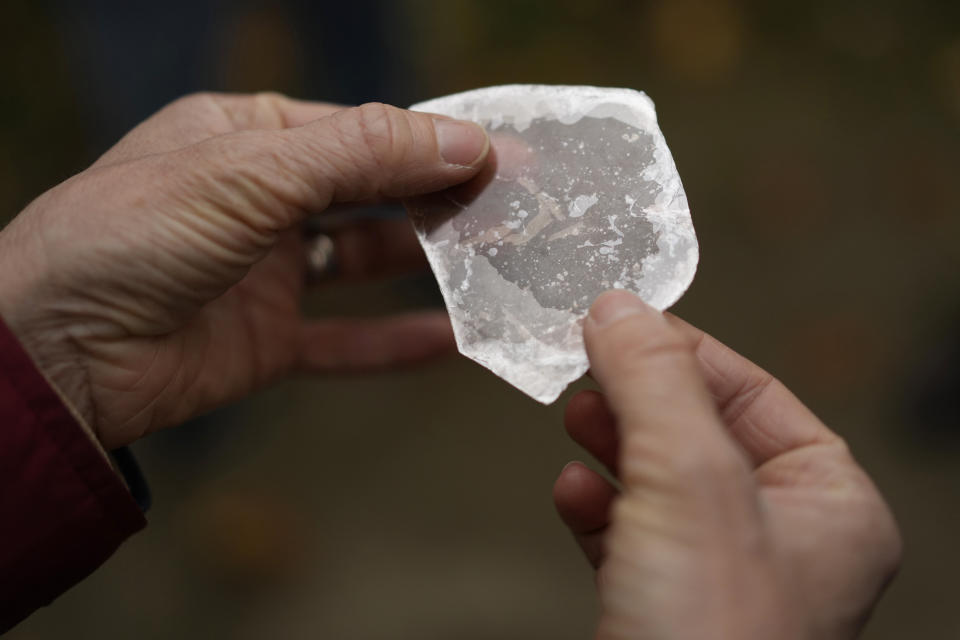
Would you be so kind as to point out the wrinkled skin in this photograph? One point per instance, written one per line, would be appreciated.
(166, 279)
(740, 515)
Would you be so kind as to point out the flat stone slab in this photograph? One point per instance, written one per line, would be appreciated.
(581, 195)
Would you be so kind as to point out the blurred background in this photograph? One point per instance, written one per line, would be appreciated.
(819, 144)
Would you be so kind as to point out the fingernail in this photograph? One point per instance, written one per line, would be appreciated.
(615, 305)
(461, 143)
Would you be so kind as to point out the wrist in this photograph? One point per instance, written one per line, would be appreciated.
(44, 337)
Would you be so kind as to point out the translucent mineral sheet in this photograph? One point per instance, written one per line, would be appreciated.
(581, 196)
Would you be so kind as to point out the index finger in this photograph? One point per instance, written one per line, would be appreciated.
(199, 116)
(761, 414)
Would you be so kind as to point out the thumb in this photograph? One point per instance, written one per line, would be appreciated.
(686, 545)
(672, 440)
(271, 178)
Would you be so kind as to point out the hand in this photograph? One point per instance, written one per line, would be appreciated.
(166, 279)
(740, 515)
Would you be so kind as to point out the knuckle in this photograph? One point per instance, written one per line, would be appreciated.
(875, 528)
(890, 548)
(193, 100)
(380, 129)
(880, 531)
(842, 448)
(835, 449)
(893, 555)
(267, 109)
(269, 96)
(261, 110)
(195, 105)
(867, 522)
(202, 96)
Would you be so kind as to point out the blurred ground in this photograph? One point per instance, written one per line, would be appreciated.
(818, 143)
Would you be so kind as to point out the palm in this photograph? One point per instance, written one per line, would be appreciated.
(233, 345)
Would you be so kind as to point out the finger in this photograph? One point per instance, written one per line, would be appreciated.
(583, 498)
(762, 415)
(672, 440)
(355, 346)
(199, 116)
(266, 181)
(374, 248)
(593, 426)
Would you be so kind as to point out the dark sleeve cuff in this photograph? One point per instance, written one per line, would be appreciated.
(128, 467)
(63, 509)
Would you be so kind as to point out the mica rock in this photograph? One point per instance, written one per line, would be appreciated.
(581, 195)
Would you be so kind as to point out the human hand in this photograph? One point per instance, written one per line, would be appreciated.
(740, 515)
(166, 279)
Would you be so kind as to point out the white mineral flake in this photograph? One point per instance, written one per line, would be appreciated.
(612, 219)
(468, 268)
(581, 204)
(519, 104)
(517, 292)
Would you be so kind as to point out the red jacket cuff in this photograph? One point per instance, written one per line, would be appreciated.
(63, 509)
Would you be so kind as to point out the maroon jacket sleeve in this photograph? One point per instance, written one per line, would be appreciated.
(63, 509)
